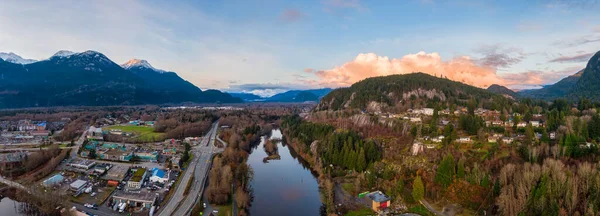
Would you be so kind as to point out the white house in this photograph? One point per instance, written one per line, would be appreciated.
(507, 140)
(158, 175)
(464, 139)
(424, 111)
(415, 119)
(535, 123)
(521, 124)
(437, 139)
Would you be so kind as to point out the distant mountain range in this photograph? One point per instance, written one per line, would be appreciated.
(91, 79)
(583, 84)
(311, 95)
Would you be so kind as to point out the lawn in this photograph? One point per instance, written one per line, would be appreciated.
(143, 133)
(420, 209)
(224, 210)
(361, 212)
(349, 188)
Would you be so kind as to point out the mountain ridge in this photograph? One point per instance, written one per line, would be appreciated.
(308, 95)
(91, 79)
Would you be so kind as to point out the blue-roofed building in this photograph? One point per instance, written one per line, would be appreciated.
(41, 126)
(55, 179)
(158, 175)
(379, 200)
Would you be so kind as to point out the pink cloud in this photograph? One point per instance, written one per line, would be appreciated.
(291, 15)
(462, 68)
(309, 70)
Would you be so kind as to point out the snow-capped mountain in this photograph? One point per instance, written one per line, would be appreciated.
(63, 53)
(140, 63)
(14, 58)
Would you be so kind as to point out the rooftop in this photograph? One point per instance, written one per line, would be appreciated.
(139, 195)
(13, 157)
(378, 196)
(78, 184)
(139, 173)
(158, 172)
(117, 172)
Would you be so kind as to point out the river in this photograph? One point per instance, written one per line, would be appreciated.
(9, 207)
(285, 186)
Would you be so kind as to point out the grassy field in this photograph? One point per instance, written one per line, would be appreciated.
(419, 209)
(224, 210)
(361, 212)
(349, 188)
(142, 133)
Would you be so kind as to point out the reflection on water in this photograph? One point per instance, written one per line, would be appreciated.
(282, 187)
(9, 207)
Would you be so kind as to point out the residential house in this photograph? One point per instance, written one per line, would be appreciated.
(438, 139)
(379, 201)
(464, 139)
(507, 140)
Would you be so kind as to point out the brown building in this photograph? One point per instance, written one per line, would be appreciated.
(11, 164)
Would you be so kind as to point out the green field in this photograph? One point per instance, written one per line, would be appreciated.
(142, 133)
(361, 212)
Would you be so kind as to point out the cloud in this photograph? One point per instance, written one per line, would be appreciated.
(496, 56)
(355, 4)
(309, 70)
(584, 57)
(342, 8)
(529, 27)
(577, 41)
(571, 4)
(462, 68)
(596, 29)
(291, 15)
(537, 78)
(266, 89)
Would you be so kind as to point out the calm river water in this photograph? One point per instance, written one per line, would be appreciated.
(282, 187)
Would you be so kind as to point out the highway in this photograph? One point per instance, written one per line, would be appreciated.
(181, 204)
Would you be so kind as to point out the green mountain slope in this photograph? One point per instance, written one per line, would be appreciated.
(556, 90)
(588, 86)
(407, 90)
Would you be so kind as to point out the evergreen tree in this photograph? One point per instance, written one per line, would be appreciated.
(529, 134)
(460, 171)
(445, 171)
(418, 189)
(361, 162)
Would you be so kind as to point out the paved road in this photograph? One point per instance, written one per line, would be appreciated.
(13, 184)
(198, 167)
(431, 208)
(95, 212)
(31, 149)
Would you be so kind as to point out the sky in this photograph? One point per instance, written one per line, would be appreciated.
(269, 46)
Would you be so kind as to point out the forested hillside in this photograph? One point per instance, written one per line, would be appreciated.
(407, 90)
